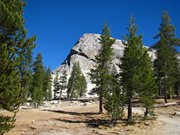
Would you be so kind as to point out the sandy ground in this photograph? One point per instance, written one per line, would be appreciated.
(169, 121)
(71, 118)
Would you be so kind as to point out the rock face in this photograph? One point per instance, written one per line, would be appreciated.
(85, 51)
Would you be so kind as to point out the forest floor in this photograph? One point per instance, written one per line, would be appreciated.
(79, 118)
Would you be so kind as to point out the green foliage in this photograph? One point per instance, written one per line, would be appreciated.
(131, 64)
(166, 64)
(148, 87)
(137, 75)
(37, 84)
(77, 83)
(114, 100)
(15, 58)
(10, 91)
(63, 82)
(6, 123)
(177, 84)
(47, 85)
(82, 85)
(56, 86)
(100, 74)
(26, 65)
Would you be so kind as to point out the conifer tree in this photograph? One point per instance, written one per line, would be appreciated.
(56, 86)
(177, 84)
(73, 81)
(37, 84)
(26, 66)
(114, 100)
(131, 64)
(101, 73)
(83, 85)
(63, 82)
(76, 84)
(166, 64)
(47, 85)
(148, 87)
(15, 58)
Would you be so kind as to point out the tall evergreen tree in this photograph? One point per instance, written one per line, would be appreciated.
(177, 84)
(148, 87)
(131, 64)
(15, 55)
(166, 64)
(56, 85)
(101, 73)
(114, 100)
(37, 84)
(26, 66)
(76, 85)
(47, 85)
(83, 85)
(63, 82)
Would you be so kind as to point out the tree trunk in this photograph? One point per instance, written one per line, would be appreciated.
(100, 103)
(80, 93)
(165, 96)
(60, 94)
(129, 110)
(130, 105)
(146, 112)
(165, 99)
(165, 89)
(178, 93)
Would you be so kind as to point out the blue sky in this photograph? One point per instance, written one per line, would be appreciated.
(58, 24)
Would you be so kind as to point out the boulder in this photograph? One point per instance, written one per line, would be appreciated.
(84, 52)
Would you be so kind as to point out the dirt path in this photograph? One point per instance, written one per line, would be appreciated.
(170, 125)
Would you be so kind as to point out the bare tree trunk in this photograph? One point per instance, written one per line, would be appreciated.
(130, 106)
(165, 89)
(178, 93)
(146, 112)
(129, 110)
(165, 96)
(100, 103)
(60, 94)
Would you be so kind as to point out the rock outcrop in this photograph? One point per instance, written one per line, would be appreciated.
(85, 51)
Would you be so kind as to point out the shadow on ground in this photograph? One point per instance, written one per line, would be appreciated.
(72, 113)
(89, 122)
(91, 119)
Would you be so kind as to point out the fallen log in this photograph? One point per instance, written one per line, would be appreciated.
(167, 104)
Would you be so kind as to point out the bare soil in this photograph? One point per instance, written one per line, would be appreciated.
(77, 118)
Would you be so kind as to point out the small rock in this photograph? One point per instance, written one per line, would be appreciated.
(33, 121)
(147, 124)
(177, 113)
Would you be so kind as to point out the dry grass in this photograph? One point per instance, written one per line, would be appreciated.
(68, 119)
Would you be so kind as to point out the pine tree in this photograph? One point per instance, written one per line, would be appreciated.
(114, 100)
(83, 85)
(26, 66)
(76, 84)
(37, 84)
(15, 59)
(166, 64)
(56, 86)
(101, 73)
(177, 84)
(131, 64)
(148, 88)
(63, 82)
(47, 84)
